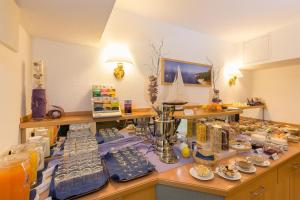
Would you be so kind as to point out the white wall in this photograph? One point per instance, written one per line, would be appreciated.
(279, 87)
(9, 24)
(72, 69)
(14, 77)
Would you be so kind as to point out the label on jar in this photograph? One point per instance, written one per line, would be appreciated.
(275, 156)
(188, 112)
(259, 150)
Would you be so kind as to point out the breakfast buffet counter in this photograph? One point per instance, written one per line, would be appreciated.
(264, 181)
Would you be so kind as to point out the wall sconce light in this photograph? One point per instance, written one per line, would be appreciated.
(234, 76)
(232, 72)
(119, 69)
(118, 56)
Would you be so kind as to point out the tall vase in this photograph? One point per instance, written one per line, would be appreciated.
(216, 96)
(153, 89)
(38, 103)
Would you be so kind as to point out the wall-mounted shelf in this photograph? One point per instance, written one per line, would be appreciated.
(83, 117)
(272, 64)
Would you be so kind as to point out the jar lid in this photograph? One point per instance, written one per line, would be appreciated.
(13, 160)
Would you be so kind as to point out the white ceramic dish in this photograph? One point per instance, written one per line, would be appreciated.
(194, 174)
(266, 163)
(251, 170)
(241, 147)
(237, 176)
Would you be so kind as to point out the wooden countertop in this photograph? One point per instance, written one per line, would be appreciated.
(180, 177)
(86, 117)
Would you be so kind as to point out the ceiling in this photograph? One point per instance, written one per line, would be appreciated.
(231, 20)
(76, 21)
(83, 21)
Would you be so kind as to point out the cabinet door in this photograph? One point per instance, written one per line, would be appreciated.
(144, 194)
(261, 189)
(289, 180)
(295, 180)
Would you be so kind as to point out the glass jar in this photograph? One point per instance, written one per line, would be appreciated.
(128, 106)
(14, 177)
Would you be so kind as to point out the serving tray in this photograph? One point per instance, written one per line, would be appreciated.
(127, 164)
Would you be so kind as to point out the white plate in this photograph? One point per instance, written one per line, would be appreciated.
(241, 147)
(266, 163)
(237, 176)
(249, 171)
(194, 174)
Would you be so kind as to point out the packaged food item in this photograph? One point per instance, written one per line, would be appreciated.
(201, 133)
(190, 128)
(225, 137)
(216, 138)
(14, 177)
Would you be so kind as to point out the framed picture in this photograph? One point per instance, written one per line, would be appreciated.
(195, 74)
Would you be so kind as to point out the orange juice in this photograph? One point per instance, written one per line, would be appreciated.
(33, 160)
(33, 156)
(14, 179)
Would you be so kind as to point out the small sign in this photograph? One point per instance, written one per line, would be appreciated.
(188, 112)
(275, 156)
(259, 150)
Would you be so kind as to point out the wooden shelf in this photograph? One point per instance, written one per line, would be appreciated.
(249, 107)
(86, 116)
(83, 117)
(199, 113)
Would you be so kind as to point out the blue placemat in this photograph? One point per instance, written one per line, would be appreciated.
(78, 186)
(131, 167)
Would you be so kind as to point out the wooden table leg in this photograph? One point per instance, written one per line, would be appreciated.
(23, 135)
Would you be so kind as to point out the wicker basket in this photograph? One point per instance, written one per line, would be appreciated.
(205, 154)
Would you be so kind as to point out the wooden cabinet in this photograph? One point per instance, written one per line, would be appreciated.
(144, 194)
(262, 188)
(288, 187)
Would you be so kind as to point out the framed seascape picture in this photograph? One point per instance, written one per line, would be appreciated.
(195, 74)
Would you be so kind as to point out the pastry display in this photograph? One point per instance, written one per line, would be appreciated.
(270, 149)
(228, 170)
(241, 146)
(293, 138)
(244, 164)
(259, 160)
(202, 170)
